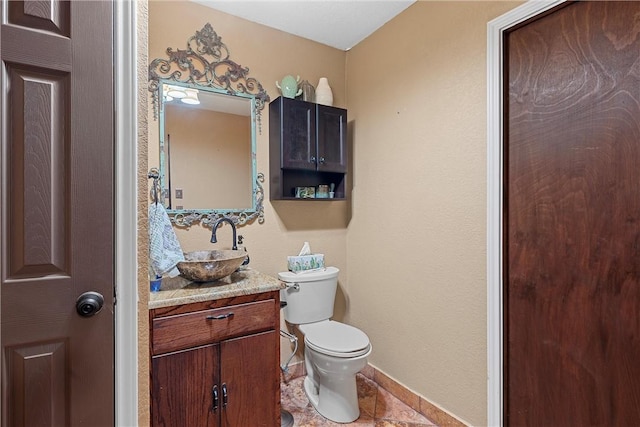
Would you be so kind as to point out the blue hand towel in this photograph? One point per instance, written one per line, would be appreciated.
(164, 249)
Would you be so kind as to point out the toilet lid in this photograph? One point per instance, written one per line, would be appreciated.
(336, 339)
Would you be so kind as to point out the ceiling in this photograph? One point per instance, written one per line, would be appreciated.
(338, 23)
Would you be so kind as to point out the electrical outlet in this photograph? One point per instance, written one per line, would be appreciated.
(178, 193)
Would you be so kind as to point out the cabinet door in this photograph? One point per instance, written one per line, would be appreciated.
(298, 134)
(249, 372)
(182, 388)
(332, 139)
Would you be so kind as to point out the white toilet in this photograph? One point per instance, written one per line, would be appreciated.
(334, 352)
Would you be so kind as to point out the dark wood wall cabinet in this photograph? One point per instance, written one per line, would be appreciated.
(215, 363)
(307, 148)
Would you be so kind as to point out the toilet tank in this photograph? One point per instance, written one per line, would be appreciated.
(313, 299)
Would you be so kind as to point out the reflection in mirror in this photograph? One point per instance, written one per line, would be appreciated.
(207, 142)
(208, 110)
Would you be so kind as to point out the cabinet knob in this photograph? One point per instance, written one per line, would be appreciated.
(313, 159)
(321, 160)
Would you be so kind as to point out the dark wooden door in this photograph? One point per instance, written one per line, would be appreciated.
(298, 137)
(249, 373)
(331, 124)
(184, 388)
(57, 212)
(572, 248)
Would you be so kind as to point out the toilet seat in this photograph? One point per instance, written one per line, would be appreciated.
(335, 339)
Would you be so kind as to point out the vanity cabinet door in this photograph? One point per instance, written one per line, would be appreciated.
(182, 388)
(250, 378)
(331, 125)
(298, 134)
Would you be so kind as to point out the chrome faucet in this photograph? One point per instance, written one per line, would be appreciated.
(214, 239)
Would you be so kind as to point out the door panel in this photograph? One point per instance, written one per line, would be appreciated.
(56, 210)
(180, 382)
(298, 134)
(332, 139)
(251, 381)
(572, 288)
(34, 372)
(52, 16)
(39, 241)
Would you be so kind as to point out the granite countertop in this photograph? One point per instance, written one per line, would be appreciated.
(178, 290)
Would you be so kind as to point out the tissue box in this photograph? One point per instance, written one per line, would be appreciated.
(305, 262)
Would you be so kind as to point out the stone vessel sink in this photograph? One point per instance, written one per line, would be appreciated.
(206, 266)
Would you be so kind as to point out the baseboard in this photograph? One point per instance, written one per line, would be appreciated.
(418, 403)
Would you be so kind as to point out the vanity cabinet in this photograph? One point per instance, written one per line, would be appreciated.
(216, 363)
(307, 146)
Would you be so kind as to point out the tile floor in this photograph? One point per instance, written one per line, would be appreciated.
(378, 408)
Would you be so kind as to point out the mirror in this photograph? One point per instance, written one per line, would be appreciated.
(208, 111)
(208, 142)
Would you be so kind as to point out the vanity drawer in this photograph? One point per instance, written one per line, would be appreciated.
(182, 331)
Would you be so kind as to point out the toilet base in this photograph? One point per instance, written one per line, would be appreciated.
(336, 400)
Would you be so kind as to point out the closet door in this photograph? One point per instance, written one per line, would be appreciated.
(572, 279)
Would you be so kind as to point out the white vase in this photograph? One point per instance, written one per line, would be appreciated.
(324, 95)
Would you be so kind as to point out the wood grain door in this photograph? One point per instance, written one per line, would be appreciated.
(572, 248)
(57, 212)
(249, 374)
(185, 389)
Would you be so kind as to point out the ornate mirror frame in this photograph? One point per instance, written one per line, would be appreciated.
(205, 64)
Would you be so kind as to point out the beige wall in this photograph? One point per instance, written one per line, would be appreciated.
(413, 233)
(416, 243)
